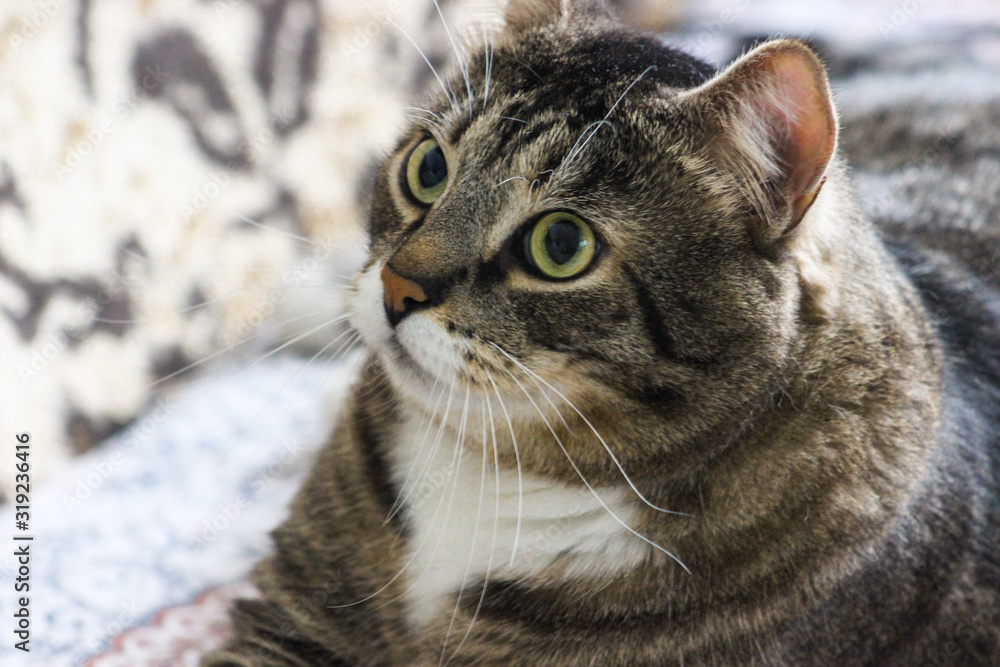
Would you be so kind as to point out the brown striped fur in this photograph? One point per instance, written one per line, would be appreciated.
(751, 352)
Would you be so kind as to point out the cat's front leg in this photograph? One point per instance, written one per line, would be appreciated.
(263, 636)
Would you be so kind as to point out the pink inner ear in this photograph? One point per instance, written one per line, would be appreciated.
(797, 98)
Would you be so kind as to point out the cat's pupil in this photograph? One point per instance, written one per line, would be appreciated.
(562, 241)
(433, 168)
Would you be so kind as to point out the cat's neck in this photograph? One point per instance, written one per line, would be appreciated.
(470, 521)
(828, 461)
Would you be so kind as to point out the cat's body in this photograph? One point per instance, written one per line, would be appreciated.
(819, 414)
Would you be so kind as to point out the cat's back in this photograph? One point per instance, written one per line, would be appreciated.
(927, 172)
(926, 166)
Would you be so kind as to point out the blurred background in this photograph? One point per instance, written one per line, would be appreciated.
(183, 186)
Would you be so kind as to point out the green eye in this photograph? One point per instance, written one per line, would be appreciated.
(561, 246)
(427, 172)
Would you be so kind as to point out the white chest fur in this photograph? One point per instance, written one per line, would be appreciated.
(463, 521)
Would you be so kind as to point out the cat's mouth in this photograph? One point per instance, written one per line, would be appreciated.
(402, 357)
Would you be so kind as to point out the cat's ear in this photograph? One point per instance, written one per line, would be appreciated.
(775, 127)
(522, 15)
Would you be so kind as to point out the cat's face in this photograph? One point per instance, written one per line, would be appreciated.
(582, 215)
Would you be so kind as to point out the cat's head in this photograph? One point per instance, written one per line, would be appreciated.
(584, 203)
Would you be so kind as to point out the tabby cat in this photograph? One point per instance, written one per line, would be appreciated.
(645, 387)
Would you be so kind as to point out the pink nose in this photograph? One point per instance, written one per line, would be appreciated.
(401, 295)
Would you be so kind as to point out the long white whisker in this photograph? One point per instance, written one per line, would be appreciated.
(586, 483)
(622, 97)
(216, 383)
(420, 448)
(178, 311)
(475, 539)
(262, 410)
(295, 270)
(517, 458)
(552, 404)
(246, 426)
(512, 178)
(426, 111)
(296, 237)
(496, 521)
(607, 448)
(219, 353)
(451, 500)
(343, 348)
(488, 57)
(423, 119)
(603, 121)
(447, 91)
(205, 304)
(458, 55)
(430, 457)
(525, 66)
(455, 466)
(585, 136)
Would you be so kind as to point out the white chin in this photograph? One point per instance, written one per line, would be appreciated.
(430, 346)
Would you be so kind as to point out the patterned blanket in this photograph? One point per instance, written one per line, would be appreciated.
(169, 171)
(179, 503)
